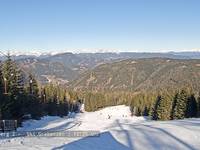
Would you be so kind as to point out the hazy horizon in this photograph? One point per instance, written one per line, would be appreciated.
(15, 52)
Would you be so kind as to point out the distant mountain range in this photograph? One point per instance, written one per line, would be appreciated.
(62, 68)
(36, 54)
(149, 74)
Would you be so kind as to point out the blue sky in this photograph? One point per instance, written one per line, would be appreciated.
(121, 25)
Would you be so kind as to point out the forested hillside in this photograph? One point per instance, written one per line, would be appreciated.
(64, 67)
(21, 95)
(141, 75)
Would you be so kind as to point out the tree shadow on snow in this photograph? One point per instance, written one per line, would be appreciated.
(104, 142)
(127, 135)
(137, 136)
(189, 122)
(44, 122)
(173, 138)
(155, 137)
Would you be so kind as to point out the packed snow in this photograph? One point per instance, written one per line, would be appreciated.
(118, 131)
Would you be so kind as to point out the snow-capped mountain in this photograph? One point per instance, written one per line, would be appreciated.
(33, 53)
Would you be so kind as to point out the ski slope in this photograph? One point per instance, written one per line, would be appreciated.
(118, 131)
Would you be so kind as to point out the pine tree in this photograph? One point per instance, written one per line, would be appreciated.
(163, 109)
(65, 107)
(136, 111)
(191, 106)
(181, 105)
(43, 95)
(154, 112)
(198, 105)
(8, 74)
(34, 104)
(14, 88)
(13, 77)
(33, 86)
(174, 102)
(145, 111)
(1, 93)
(88, 105)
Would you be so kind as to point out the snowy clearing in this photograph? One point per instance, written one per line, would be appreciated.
(119, 131)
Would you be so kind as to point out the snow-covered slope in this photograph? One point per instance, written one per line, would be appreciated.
(119, 131)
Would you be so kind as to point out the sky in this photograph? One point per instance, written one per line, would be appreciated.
(99, 25)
